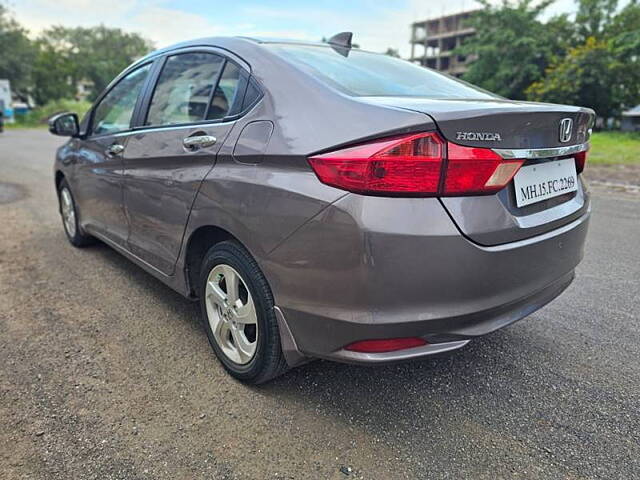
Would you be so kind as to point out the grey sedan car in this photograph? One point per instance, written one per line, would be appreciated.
(321, 201)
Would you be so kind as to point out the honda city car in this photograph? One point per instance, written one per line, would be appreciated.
(322, 201)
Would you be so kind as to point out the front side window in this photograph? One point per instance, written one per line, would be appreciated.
(183, 91)
(113, 113)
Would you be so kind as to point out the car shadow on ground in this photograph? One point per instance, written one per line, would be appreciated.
(455, 373)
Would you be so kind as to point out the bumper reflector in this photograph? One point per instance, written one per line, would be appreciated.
(385, 345)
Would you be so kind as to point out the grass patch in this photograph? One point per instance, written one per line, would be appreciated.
(610, 148)
(25, 126)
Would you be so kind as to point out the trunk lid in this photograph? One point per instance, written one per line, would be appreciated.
(505, 125)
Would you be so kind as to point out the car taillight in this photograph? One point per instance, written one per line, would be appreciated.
(410, 164)
(386, 345)
(581, 160)
(476, 170)
(415, 165)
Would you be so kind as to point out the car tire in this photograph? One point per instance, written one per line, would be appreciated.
(69, 214)
(248, 346)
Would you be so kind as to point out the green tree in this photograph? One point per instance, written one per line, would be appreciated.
(54, 72)
(73, 54)
(603, 70)
(562, 30)
(624, 41)
(105, 52)
(583, 77)
(16, 53)
(593, 17)
(512, 46)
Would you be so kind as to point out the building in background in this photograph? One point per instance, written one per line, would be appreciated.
(631, 120)
(83, 89)
(432, 42)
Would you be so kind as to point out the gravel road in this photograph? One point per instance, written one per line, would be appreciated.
(106, 374)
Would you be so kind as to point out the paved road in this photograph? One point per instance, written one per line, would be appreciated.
(106, 374)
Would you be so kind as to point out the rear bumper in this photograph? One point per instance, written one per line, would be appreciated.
(369, 268)
(443, 335)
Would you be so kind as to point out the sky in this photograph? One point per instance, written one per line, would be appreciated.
(377, 25)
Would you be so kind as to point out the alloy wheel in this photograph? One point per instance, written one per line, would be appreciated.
(68, 212)
(231, 314)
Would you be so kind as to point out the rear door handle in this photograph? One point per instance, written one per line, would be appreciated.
(198, 141)
(115, 149)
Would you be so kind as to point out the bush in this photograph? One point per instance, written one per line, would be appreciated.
(40, 115)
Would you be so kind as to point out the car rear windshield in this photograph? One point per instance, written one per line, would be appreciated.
(360, 73)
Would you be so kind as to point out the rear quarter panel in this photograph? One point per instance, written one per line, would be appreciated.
(263, 203)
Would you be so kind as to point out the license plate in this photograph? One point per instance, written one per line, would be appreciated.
(535, 183)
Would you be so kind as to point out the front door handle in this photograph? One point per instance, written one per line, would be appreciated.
(198, 141)
(115, 149)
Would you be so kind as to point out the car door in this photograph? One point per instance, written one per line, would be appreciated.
(185, 122)
(99, 165)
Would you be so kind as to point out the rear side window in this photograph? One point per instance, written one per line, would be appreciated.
(183, 91)
(363, 73)
(225, 93)
(251, 95)
(193, 87)
(113, 113)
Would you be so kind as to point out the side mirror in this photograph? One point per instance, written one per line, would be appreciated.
(64, 124)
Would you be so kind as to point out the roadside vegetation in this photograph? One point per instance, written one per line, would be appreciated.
(610, 148)
(38, 116)
(591, 59)
(60, 60)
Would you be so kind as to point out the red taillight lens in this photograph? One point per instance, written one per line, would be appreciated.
(387, 345)
(415, 165)
(409, 164)
(477, 170)
(581, 160)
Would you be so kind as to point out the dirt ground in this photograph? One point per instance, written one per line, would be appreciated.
(615, 177)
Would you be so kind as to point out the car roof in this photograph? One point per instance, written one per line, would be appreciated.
(232, 44)
(280, 40)
(228, 43)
